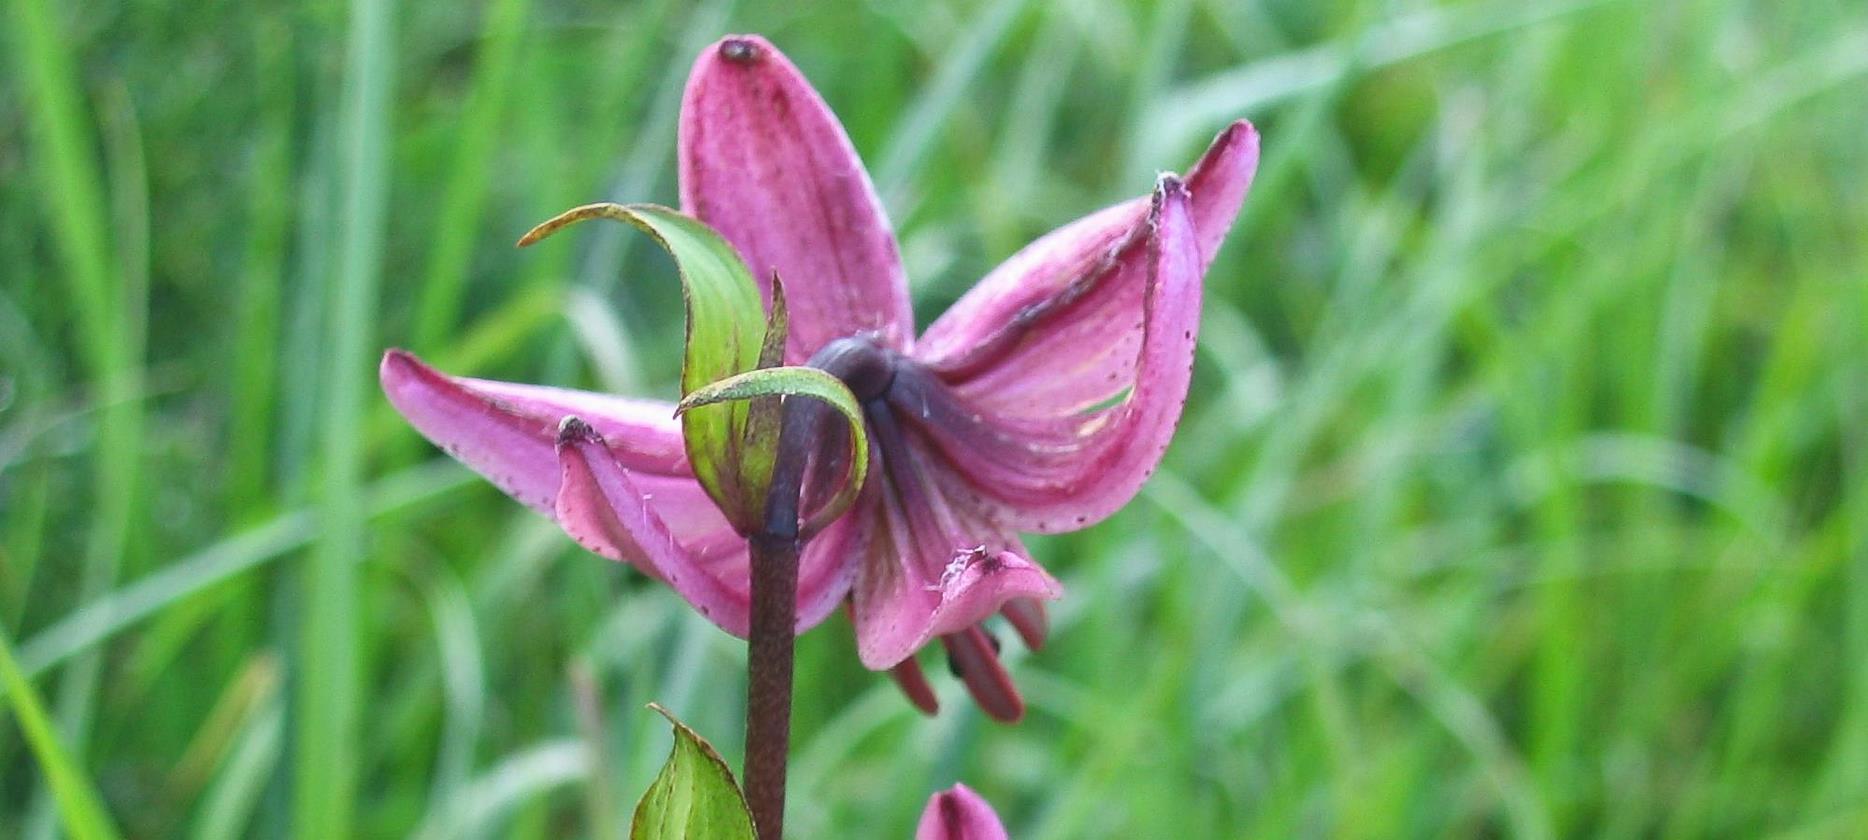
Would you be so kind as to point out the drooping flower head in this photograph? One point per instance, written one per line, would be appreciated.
(1039, 402)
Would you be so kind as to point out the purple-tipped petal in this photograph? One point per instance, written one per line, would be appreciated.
(1060, 473)
(1219, 181)
(509, 432)
(765, 162)
(1058, 327)
(926, 565)
(959, 814)
(632, 459)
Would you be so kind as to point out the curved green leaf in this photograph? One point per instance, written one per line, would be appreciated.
(694, 797)
(725, 331)
(799, 382)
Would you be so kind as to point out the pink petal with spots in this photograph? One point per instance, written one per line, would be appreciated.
(668, 527)
(1060, 473)
(507, 432)
(765, 162)
(1058, 328)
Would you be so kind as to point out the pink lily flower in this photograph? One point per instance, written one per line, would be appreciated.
(1040, 402)
(958, 813)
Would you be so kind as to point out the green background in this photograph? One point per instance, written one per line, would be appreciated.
(1523, 490)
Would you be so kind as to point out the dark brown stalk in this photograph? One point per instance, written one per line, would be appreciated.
(769, 657)
(770, 637)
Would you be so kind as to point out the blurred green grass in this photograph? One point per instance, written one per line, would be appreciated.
(1524, 489)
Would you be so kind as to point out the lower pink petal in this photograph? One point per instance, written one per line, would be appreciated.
(509, 433)
(929, 561)
(976, 585)
(601, 507)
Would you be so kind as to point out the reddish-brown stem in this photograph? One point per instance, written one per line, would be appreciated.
(769, 655)
(774, 555)
(772, 632)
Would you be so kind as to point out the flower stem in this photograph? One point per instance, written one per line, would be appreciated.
(769, 656)
(772, 632)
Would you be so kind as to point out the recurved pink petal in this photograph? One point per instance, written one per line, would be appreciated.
(959, 814)
(765, 162)
(508, 432)
(1063, 472)
(926, 565)
(601, 507)
(658, 517)
(976, 584)
(1058, 327)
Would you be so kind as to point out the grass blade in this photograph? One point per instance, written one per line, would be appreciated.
(327, 755)
(78, 802)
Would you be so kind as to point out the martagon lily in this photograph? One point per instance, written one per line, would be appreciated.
(1040, 402)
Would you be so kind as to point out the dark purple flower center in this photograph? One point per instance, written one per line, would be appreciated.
(866, 368)
(899, 396)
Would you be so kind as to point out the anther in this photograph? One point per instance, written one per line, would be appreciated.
(973, 656)
(914, 684)
(1027, 616)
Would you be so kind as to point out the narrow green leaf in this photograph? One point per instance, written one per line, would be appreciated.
(725, 332)
(799, 382)
(693, 797)
(78, 802)
(328, 710)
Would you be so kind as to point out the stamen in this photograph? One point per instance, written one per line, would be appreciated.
(1028, 617)
(972, 656)
(914, 683)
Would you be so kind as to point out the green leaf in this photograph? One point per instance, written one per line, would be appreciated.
(78, 802)
(693, 797)
(759, 449)
(725, 332)
(799, 382)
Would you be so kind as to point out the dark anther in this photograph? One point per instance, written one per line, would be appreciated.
(866, 368)
(739, 50)
(976, 662)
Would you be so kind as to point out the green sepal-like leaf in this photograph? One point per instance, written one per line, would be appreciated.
(758, 452)
(694, 797)
(799, 382)
(726, 330)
